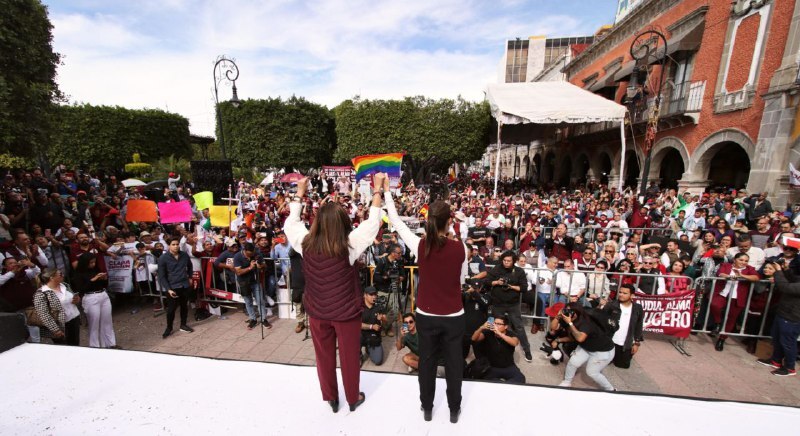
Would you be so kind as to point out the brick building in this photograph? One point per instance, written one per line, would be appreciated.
(729, 113)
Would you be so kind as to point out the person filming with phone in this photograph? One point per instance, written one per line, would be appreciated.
(499, 342)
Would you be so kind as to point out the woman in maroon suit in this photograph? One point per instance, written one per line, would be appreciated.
(333, 297)
(737, 289)
(440, 310)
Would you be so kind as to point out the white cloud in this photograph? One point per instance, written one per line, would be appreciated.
(161, 55)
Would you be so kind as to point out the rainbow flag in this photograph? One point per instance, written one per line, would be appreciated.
(378, 163)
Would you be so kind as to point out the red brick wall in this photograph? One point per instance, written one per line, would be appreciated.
(707, 65)
(742, 54)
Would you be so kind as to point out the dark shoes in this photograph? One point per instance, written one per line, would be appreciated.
(186, 328)
(783, 372)
(714, 333)
(167, 332)
(427, 414)
(528, 356)
(454, 414)
(770, 363)
(720, 344)
(266, 324)
(251, 324)
(334, 405)
(361, 399)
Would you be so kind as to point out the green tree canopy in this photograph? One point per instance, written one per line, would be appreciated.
(434, 133)
(277, 133)
(107, 137)
(28, 88)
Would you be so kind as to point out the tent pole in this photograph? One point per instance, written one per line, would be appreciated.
(497, 160)
(622, 155)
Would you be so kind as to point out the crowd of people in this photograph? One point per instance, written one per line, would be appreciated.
(571, 259)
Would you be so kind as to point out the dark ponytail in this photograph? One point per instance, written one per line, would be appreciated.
(438, 216)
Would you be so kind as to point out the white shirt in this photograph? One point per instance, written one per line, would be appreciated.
(624, 324)
(756, 255)
(571, 282)
(543, 280)
(495, 221)
(65, 296)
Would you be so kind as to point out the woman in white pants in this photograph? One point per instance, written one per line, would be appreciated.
(91, 284)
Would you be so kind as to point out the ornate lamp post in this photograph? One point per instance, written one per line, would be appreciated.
(645, 50)
(224, 69)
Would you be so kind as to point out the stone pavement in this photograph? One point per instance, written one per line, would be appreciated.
(658, 368)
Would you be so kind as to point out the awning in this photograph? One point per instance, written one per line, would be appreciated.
(609, 79)
(550, 103)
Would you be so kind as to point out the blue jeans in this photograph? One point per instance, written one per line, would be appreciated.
(784, 341)
(255, 294)
(544, 301)
(512, 374)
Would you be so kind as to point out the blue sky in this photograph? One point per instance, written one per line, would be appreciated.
(160, 53)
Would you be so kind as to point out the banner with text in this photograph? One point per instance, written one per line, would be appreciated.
(120, 269)
(668, 314)
(334, 172)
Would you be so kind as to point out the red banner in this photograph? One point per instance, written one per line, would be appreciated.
(668, 314)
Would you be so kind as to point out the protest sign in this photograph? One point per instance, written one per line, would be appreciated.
(221, 216)
(175, 212)
(141, 211)
(119, 269)
(668, 314)
(203, 200)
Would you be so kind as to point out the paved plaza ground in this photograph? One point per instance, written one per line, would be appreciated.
(658, 368)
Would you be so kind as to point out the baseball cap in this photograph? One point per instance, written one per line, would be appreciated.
(230, 242)
(370, 290)
(553, 310)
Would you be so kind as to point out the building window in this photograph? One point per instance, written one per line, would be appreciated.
(516, 61)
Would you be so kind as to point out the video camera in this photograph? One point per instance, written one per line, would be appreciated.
(382, 304)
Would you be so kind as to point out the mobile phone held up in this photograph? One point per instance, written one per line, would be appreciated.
(405, 327)
(491, 321)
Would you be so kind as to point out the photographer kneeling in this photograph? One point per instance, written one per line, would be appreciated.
(500, 342)
(371, 321)
(593, 333)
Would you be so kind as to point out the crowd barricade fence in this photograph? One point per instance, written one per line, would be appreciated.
(752, 322)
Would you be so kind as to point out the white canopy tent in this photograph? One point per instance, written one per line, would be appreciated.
(551, 103)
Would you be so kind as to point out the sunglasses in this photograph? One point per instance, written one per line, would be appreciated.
(609, 251)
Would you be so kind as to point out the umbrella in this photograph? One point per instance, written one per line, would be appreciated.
(131, 183)
(291, 178)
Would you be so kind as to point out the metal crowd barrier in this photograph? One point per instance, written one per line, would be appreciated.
(705, 293)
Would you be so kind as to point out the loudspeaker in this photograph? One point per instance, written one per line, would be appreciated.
(214, 176)
(13, 330)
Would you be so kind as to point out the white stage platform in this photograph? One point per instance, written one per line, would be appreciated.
(66, 390)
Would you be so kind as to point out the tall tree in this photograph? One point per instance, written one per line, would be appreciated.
(28, 90)
(274, 133)
(434, 133)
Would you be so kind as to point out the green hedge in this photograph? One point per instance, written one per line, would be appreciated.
(439, 131)
(107, 137)
(274, 133)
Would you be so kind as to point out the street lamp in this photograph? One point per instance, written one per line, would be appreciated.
(224, 68)
(645, 49)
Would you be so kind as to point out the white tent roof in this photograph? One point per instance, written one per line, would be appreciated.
(550, 103)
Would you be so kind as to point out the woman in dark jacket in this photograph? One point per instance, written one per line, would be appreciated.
(90, 283)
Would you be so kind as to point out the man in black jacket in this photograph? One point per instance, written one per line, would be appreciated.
(785, 327)
(508, 283)
(174, 270)
(388, 278)
(628, 337)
